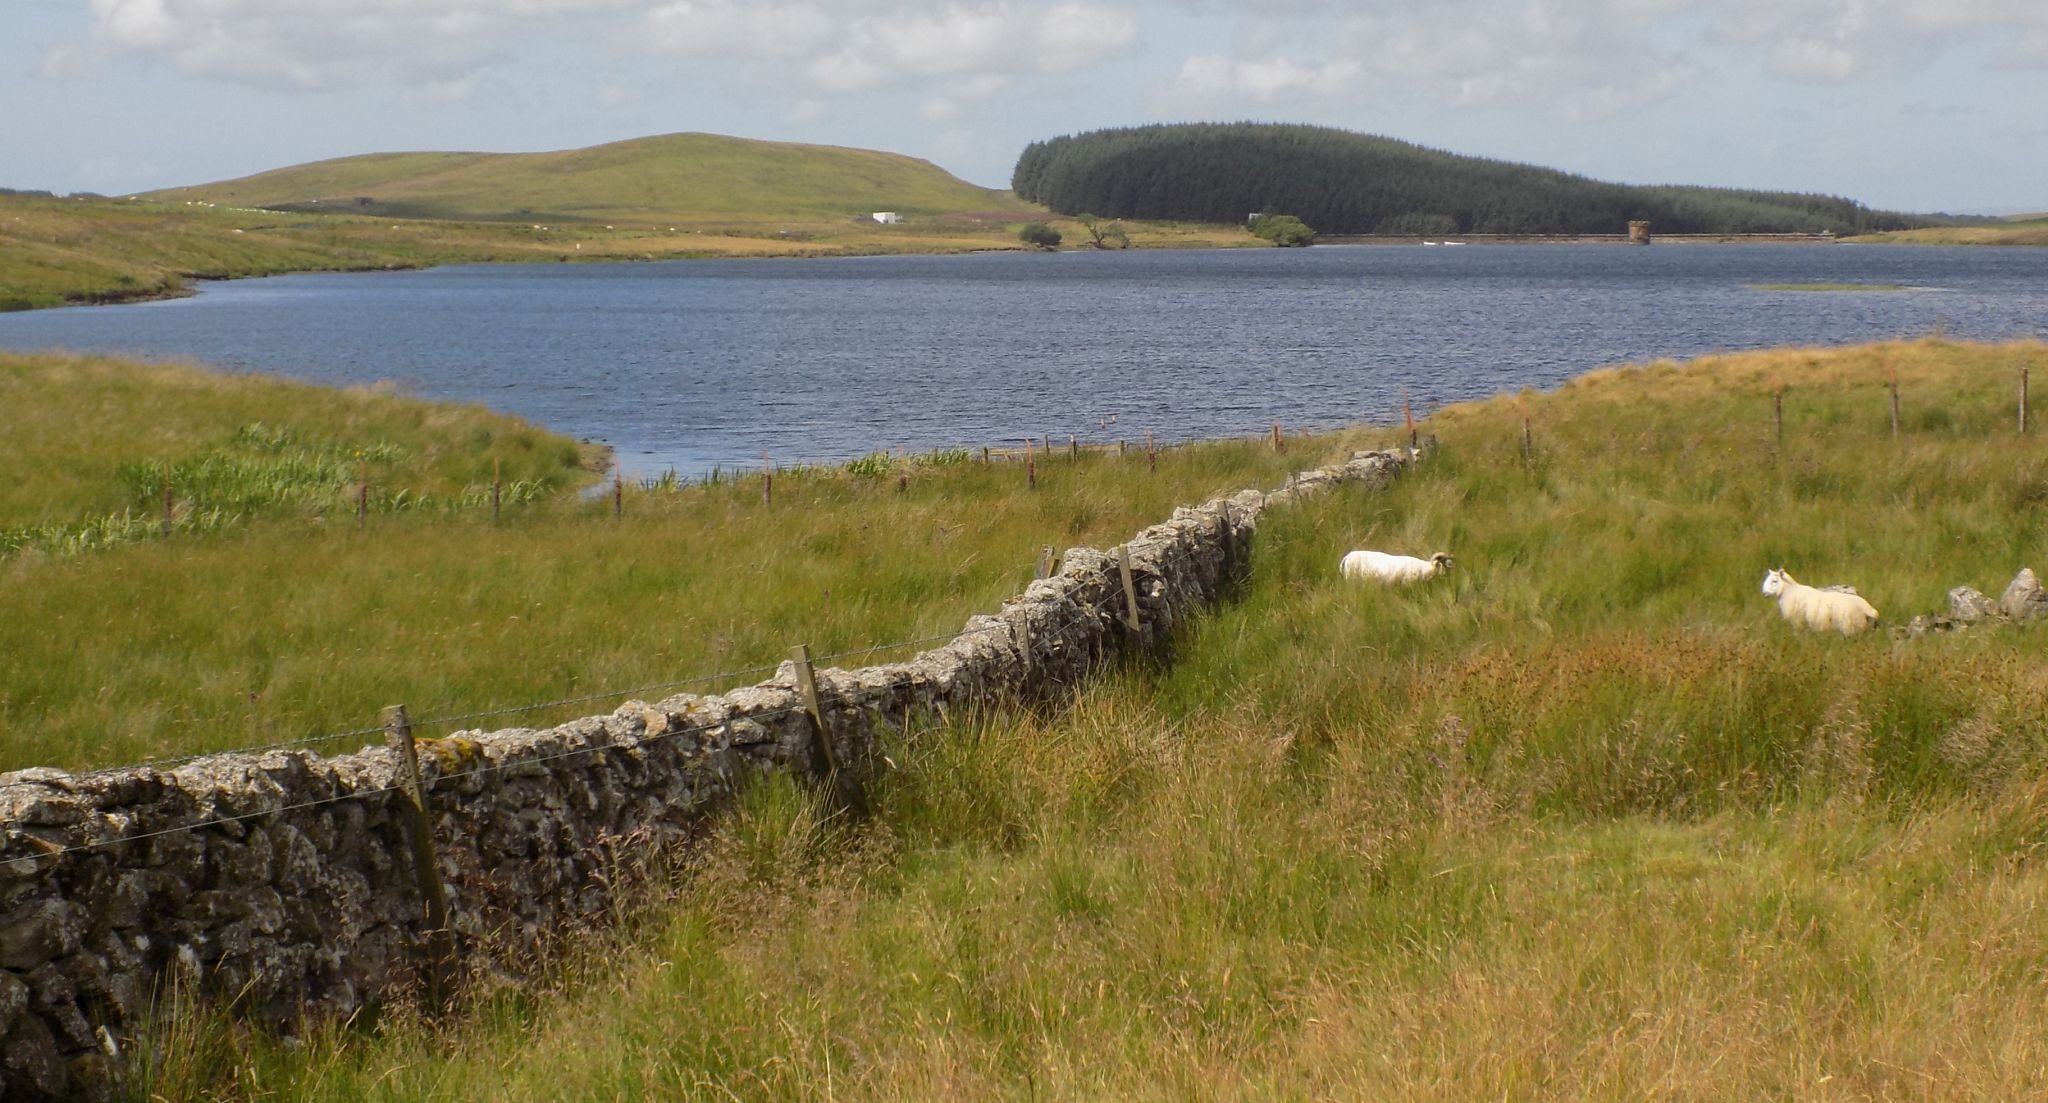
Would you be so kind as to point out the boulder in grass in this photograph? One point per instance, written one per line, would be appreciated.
(1968, 606)
(2024, 600)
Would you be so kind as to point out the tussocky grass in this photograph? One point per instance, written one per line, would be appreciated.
(1584, 819)
(292, 622)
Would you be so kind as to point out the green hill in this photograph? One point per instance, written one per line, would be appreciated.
(1345, 183)
(673, 176)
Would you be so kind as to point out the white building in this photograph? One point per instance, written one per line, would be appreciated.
(888, 218)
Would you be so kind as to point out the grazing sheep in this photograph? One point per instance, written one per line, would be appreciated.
(1383, 567)
(1841, 610)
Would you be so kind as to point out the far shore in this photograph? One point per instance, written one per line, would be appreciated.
(99, 252)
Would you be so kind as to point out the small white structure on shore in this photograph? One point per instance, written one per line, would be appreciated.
(888, 218)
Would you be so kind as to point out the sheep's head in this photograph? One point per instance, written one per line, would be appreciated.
(1774, 582)
(1441, 561)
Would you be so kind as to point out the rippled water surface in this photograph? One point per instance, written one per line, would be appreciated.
(690, 364)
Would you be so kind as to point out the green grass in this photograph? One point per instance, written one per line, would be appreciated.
(1583, 820)
(289, 622)
(85, 437)
(2016, 233)
(57, 252)
(674, 176)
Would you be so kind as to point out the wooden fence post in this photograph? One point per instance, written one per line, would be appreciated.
(1528, 438)
(167, 505)
(618, 494)
(440, 940)
(767, 480)
(1778, 414)
(1278, 444)
(1073, 447)
(497, 484)
(1046, 559)
(1123, 568)
(984, 454)
(1894, 371)
(1408, 415)
(1123, 448)
(843, 782)
(1227, 536)
(1151, 453)
(1030, 466)
(2023, 400)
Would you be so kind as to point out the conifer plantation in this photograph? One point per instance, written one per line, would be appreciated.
(1341, 182)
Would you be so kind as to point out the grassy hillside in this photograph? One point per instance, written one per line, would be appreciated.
(676, 176)
(2018, 230)
(1584, 820)
(1345, 183)
(56, 252)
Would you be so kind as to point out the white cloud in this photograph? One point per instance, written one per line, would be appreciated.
(859, 47)
(1213, 78)
(807, 52)
(1579, 59)
(431, 45)
(1573, 58)
(1840, 40)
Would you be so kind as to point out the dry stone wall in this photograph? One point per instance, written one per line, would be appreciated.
(284, 880)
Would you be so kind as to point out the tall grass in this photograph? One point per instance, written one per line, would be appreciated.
(1585, 820)
(292, 622)
(82, 438)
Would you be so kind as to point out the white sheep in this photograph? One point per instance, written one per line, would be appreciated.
(1843, 610)
(1383, 567)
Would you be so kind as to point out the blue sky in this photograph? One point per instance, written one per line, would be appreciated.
(1913, 104)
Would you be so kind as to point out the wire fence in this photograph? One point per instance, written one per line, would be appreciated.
(1094, 610)
(329, 738)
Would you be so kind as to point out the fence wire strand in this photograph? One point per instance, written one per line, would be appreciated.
(1093, 610)
(514, 710)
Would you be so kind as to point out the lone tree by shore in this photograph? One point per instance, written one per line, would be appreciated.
(1039, 234)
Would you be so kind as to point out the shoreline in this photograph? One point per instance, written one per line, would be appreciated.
(428, 252)
(1822, 238)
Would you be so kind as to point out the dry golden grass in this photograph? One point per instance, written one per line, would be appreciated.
(1582, 821)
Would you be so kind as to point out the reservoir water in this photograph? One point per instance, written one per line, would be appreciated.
(692, 364)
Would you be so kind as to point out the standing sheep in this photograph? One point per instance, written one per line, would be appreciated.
(1841, 610)
(1382, 567)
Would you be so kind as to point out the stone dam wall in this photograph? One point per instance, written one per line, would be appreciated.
(284, 880)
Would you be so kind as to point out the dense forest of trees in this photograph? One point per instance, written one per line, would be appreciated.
(1345, 183)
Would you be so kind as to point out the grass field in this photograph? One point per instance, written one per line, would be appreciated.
(1583, 820)
(2020, 230)
(672, 176)
(679, 196)
(57, 252)
(268, 616)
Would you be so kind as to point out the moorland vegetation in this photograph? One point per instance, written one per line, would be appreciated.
(1582, 817)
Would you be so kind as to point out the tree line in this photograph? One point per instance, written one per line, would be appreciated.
(1340, 182)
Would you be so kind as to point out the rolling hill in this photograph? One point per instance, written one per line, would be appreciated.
(672, 176)
(1346, 183)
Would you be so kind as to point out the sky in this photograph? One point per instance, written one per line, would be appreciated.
(1917, 105)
